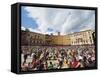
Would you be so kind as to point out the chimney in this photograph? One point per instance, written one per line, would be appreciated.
(59, 33)
(51, 33)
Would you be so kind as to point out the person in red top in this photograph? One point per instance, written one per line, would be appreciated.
(75, 63)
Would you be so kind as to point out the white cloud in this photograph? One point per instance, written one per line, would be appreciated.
(62, 20)
(22, 28)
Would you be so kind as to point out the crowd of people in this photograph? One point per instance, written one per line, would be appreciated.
(57, 57)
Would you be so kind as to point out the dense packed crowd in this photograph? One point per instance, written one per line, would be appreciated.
(57, 57)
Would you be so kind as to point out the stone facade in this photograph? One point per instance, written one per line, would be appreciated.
(77, 38)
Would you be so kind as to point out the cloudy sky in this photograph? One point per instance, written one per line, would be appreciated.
(53, 20)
